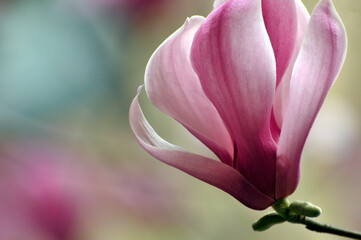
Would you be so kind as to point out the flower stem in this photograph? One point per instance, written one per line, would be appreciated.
(325, 228)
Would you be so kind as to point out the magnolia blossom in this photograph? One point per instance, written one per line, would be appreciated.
(248, 82)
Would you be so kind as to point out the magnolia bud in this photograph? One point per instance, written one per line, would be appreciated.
(267, 221)
(305, 208)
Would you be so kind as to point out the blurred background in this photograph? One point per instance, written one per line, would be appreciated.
(70, 168)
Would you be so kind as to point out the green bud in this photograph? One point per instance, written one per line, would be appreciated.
(305, 208)
(267, 221)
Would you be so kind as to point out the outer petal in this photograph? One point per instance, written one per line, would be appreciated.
(319, 63)
(208, 170)
(280, 17)
(233, 58)
(281, 98)
(173, 86)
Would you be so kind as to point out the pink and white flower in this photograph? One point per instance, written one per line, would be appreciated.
(248, 82)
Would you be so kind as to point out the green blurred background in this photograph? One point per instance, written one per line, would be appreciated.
(69, 70)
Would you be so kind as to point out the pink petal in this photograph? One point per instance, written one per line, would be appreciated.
(281, 98)
(208, 170)
(173, 86)
(280, 17)
(234, 60)
(319, 63)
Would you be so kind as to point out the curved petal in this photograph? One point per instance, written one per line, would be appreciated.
(218, 3)
(320, 61)
(208, 170)
(280, 18)
(173, 87)
(281, 97)
(234, 60)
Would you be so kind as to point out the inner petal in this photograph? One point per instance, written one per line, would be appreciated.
(234, 60)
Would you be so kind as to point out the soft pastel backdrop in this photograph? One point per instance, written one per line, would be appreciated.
(68, 72)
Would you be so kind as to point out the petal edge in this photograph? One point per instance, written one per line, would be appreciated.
(208, 170)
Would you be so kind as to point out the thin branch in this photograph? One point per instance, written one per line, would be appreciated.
(323, 228)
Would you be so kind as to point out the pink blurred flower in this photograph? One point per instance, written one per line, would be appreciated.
(139, 4)
(44, 193)
(50, 193)
(248, 82)
(134, 8)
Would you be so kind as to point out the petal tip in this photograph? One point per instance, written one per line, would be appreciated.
(218, 3)
(327, 3)
(333, 18)
(327, 7)
(139, 89)
(194, 20)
